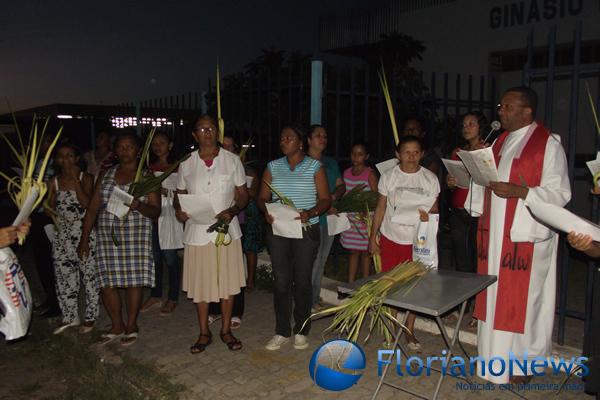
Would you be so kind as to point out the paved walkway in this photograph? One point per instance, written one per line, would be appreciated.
(255, 373)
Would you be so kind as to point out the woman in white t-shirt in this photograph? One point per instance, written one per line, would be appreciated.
(407, 193)
(216, 176)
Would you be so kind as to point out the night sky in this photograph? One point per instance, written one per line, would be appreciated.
(117, 51)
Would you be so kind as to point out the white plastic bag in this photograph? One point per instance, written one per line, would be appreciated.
(15, 297)
(425, 242)
(170, 231)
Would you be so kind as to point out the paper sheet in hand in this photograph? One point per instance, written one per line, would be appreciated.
(25, 211)
(386, 165)
(198, 207)
(407, 206)
(118, 202)
(249, 181)
(337, 224)
(457, 170)
(284, 222)
(481, 165)
(564, 220)
(594, 165)
(170, 181)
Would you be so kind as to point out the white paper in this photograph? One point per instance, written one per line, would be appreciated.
(170, 181)
(198, 207)
(284, 222)
(386, 165)
(337, 224)
(118, 202)
(481, 165)
(458, 170)
(50, 232)
(27, 207)
(563, 220)
(594, 165)
(249, 180)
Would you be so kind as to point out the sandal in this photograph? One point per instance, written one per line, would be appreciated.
(200, 347)
(234, 344)
(129, 338)
(236, 322)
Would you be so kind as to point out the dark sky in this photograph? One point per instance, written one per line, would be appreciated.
(109, 51)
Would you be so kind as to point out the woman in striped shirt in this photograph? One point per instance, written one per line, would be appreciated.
(356, 239)
(302, 180)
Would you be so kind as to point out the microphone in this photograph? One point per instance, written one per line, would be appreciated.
(496, 125)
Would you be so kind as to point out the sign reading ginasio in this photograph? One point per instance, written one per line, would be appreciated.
(531, 11)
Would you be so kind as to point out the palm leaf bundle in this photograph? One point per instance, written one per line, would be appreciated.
(27, 156)
(388, 102)
(367, 302)
(223, 239)
(355, 199)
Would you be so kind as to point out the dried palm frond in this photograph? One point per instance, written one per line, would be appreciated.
(388, 102)
(220, 120)
(367, 301)
(20, 187)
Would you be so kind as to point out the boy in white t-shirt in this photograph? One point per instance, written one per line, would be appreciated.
(408, 193)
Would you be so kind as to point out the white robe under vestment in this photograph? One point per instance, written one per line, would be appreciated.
(555, 189)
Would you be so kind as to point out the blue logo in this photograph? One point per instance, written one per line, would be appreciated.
(335, 365)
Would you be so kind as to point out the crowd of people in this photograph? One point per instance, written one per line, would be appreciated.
(490, 232)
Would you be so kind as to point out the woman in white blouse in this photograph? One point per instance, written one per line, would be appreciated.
(217, 176)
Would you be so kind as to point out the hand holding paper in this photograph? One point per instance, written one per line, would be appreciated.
(458, 170)
(27, 208)
(337, 223)
(285, 223)
(563, 220)
(481, 165)
(119, 202)
(198, 207)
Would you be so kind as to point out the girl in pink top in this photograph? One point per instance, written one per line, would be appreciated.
(356, 239)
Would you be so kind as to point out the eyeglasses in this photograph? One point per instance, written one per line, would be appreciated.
(205, 130)
(508, 106)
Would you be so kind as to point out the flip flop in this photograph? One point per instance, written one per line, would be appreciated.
(109, 337)
(129, 339)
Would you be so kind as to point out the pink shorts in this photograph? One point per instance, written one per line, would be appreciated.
(393, 253)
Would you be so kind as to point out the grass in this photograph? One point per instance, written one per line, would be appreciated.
(64, 367)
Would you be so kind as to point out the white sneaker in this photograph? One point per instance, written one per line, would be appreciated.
(64, 327)
(300, 342)
(276, 342)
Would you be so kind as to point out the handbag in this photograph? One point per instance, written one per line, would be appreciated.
(170, 231)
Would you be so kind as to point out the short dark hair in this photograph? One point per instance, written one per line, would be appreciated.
(302, 137)
(408, 139)
(362, 143)
(199, 118)
(127, 134)
(528, 96)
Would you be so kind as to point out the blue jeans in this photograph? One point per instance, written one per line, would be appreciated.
(319, 266)
(173, 265)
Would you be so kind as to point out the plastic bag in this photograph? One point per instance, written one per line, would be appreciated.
(170, 231)
(15, 297)
(425, 242)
